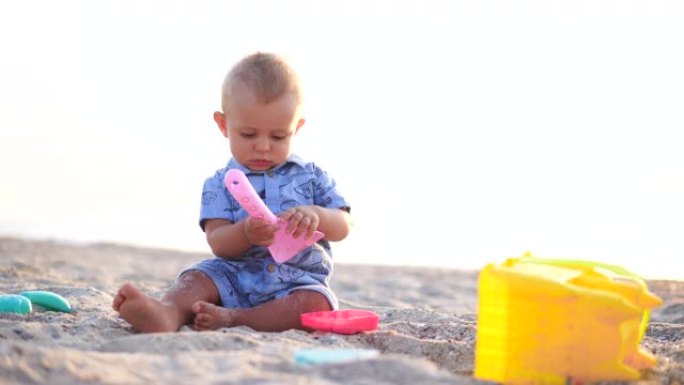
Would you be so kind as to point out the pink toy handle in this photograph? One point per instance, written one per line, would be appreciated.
(238, 185)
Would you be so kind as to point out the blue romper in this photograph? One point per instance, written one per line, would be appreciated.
(255, 278)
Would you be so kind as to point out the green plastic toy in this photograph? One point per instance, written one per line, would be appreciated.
(12, 303)
(48, 300)
(23, 303)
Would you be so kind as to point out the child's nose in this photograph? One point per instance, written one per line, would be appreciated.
(263, 145)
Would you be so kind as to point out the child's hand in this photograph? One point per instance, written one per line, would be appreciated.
(301, 220)
(259, 232)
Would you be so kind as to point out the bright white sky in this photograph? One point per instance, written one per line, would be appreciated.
(463, 132)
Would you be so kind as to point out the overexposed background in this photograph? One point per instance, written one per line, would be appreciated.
(462, 132)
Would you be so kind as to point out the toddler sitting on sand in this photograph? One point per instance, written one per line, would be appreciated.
(261, 115)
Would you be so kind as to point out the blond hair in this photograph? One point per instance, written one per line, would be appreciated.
(268, 75)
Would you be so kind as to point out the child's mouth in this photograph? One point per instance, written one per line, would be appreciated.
(260, 163)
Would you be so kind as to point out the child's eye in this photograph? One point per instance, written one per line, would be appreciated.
(247, 135)
(280, 135)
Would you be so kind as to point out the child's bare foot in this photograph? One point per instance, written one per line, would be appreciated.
(146, 314)
(212, 317)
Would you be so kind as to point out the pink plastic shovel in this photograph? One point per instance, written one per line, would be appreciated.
(285, 246)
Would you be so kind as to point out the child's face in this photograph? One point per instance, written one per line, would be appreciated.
(260, 134)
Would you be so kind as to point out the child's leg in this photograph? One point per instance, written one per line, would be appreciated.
(273, 316)
(149, 315)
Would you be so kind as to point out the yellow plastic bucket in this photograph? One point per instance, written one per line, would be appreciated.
(550, 321)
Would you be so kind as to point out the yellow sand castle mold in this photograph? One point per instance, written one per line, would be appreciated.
(544, 321)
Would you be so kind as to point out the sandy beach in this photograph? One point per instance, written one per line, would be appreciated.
(426, 334)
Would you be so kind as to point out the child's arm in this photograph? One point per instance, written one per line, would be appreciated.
(334, 223)
(230, 240)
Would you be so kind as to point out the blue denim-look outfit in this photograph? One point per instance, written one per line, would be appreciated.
(254, 277)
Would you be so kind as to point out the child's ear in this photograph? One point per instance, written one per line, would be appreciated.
(300, 123)
(220, 119)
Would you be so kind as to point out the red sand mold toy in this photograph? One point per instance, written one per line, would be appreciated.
(347, 321)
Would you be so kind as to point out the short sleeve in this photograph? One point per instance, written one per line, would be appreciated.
(216, 201)
(326, 192)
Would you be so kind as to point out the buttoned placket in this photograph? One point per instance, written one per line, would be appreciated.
(272, 191)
